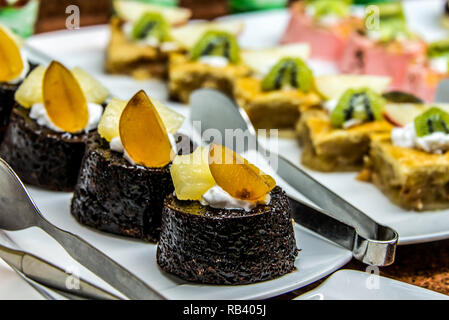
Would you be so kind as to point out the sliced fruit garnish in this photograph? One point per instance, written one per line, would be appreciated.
(191, 33)
(143, 133)
(217, 43)
(401, 114)
(11, 64)
(237, 176)
(108, 128)
(401, 97)
(30, 91)
(93, 90)
(333, 86)
(289, 72)
(362, 105)
(191, 174)
(151, 24)
(64, 100)
(431, 121)
(262, 60)
(132, 11)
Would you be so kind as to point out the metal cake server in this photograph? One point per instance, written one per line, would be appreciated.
(18, 211)
(338, 221)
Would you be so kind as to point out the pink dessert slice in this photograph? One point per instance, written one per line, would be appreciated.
(327, 41)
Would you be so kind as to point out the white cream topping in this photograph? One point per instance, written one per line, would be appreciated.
(437, 142)
(26, 69)
(439, 64)
(39, 113)
(330, 104)
(116, 145)
(216, 197)
(214, 61)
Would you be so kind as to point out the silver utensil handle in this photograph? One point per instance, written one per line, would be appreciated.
(100, 264)
(370, 243)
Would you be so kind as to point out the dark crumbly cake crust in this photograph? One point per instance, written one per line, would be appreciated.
(219, 246)
(115, 196)
(41, 156)
(7, 92)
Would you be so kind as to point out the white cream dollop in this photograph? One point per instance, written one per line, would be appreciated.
(439, 64)
(25, 70)
(39, 113)
(216, 197)
(116, 145)
(437, 142)
(214, 61)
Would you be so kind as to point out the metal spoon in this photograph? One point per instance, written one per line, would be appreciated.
(18, 211)
(339, 221)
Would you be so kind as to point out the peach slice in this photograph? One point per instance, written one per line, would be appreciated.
(237, 176)
(11, 64)
(143, 133)
(63, 98)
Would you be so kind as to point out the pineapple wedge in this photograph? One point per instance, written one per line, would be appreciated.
(93, 90)
(262, 60)
(187, 36)
(108, 127)
(133, 10)
(191, 174)
(30, 91)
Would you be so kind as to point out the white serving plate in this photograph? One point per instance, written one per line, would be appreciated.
(357, 285)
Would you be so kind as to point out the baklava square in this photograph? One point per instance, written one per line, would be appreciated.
(413, 179)
(186, 76)
(277, 109)
(326, 148)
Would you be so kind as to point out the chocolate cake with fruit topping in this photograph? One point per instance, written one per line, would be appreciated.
(41, 156)
(117, 192)
(220, 246)
(226, 223)
(44, 150)
(13, 67)
(6, 104)
(117, 197)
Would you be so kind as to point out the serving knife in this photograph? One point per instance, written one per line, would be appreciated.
(337, 220)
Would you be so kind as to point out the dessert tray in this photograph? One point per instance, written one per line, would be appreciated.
(318, 257)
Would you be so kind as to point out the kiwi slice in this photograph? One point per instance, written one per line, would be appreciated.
(216, 43)
(151, 24)
(433, 120)
(339, 8)
(438, 49)
(289, 72)
(361, 104)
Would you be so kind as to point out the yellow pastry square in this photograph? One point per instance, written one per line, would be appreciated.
(413, 179)
(276, 109)
(186, 76)
(326, 148)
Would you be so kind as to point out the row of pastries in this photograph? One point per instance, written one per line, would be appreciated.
(133, 174)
